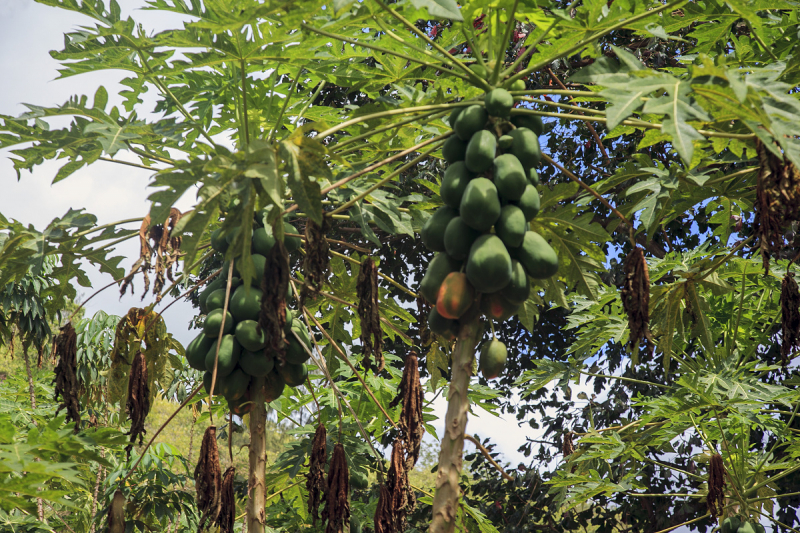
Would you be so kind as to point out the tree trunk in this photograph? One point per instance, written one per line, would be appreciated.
(445, 501)
(258, 463)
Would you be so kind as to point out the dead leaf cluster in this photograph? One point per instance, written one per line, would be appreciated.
(369, 313)
(66, 374)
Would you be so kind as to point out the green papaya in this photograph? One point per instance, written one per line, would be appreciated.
(438, 269)
(250, 336)
(458, 238)
(526, 147)
(294, 375)
(488, 265)
(759, 528)
(532, 122)
(537, 256)
(529, 203)
(746, 527)
(455, 296)
(214, 321)
(454, 116)
(274, 386)
(509, 177)
(218, 241)
(262, 242)
(480, 205)
(292, 244)
(455, 180)
(231, 235)
(518, 85)
(481, 150)
(256, 364)
(519, 288)
(505, 142)
(470, 121)
(229, 351)
(287, 329)
(214, 285)
(215, 300)
(246, 304)
(196, 351)
(494, 355)
(296, 354)
(454, 149)
(302, 332)
(480, 71)
(511, 226)
(730, 525)
(499, 103)
(207, 376)
(440, 325)
(433, 230)
(258, 262)
(234, 385)
(240, 406)
(533, 177)
(496, 307)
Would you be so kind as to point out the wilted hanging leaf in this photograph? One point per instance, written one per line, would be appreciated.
(567, 446)
(66, 380)
(274, 283)
(316, 263)
(636, 297)
(716, 486)
(207, 479)
(115, 521)
(384, 522)
(227, 511)
(790, 317)
(410, 423)
(166, 250)
(369, 313)
(138, 403)
(315, 478)
(337, 497)
(402, 500)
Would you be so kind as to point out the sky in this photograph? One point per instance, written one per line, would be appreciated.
(28, 31)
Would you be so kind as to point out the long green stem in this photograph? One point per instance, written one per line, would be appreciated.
(109, 225)
(286, 101)
(243, 70)
(510, 26)
(416, 118)
(314, 95)
(722, 261)
(391, 113)
(623, 378)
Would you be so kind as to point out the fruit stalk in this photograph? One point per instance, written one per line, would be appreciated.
(256, 485)
(445, 500)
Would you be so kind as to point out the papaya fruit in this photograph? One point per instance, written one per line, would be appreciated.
(458, 238)
(730, 525)
(215, 300)
(488, 265)
(296, 354)
(214, 285)
(292, 244)
(532, 122)
(250, 336)
(302, 332)
(455, 180)
(519, 288)
(274, 386)
(509, 177)
(433, 230)
(294, 375)
(258, 262)
(241, 406)
(446, 327)
(480, 205)
(256, 364)
(230, 235)
(287, 329)
(495, 307)
(262, 242)
(526, 147)
(537, 256)
(493, 359)
(246, 304)
(455, 296)
(505, 142)
(454, 116)
(518, 85)
(481, 150)
(529, 203)
(214, 321)
(511, 226)
(207, 383)
(196, 351)
(746, 527)
(454, 149)
(480, 71)
(499, 103)
(235, 384)
(218, 241)
(229, 351)
(470, 121)
(438, 269)
(759, 528)
(533, 177)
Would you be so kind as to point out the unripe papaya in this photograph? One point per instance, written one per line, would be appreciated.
(433, 230)
(229, 351)
(294, 375)
(235, 384)
(215, 285)
(455, 296)
(454, 116)
(470, 121)
(480, 71)
(454, 149)
(519, 288)
(274, 386)
(509, 177)
(746, 527)
(250, 336)
(518, 85)
(537, 256)
(218, 241)
(455, 180)
(499, 103)
(458, 238)
(246, 303)
(532, 122)
(256, 364)
(242, 406)
(530, 203)
(207, 377)
(495, 307)
(511, 226)
(296, 354)
(489, 265)
(533, 177)
(291, 243)
(730, 525)
(438, 269)
(493, 359)
(480, 205)
(440, 325)
(258, 261)
(759, 528)
(197, 349)
(505, 142)
(481, 150)
(526, 147)
(215, 300)
(214, 321)
(262, 243)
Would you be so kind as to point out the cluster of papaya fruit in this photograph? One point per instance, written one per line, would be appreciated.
(732, 524)
(242, 354)
(485, 250)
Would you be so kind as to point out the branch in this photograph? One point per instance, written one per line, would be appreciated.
(485, 453)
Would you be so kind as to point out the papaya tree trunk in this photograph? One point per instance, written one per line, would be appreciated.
(445, 500)
(258, 459)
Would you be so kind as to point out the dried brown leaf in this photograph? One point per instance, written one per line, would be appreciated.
(716, 486)
(207, 480)
(138, 403)
(227, 511)
(384, 521)
(410, 423)
(158, 251)
(316, 263)
(369, 313)
(274, 282)
(337, 497)
(636, 297)
(790, 317)
(66, 377)
(401, 497)
(315, 478)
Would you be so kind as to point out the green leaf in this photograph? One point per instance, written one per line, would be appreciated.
(447, 9)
